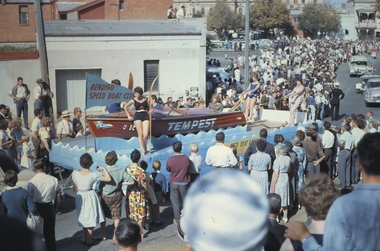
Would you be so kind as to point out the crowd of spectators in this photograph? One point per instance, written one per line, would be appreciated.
(282, 178)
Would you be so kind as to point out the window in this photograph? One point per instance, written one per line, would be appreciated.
(295, 20)
(23, 14)
(303, 1)
(63, 16)
(211, 9)
(240, 11)
(193, 11)
(150, 72)
(121, 4)
(203, 11)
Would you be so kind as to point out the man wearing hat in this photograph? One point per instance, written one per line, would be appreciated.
(21, 94)
(335, 96)
(65, 126)
(42, 98)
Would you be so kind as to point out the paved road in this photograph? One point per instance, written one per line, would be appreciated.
(68, 232)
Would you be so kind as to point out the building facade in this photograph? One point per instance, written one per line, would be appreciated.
(171, 49)
(17, 17)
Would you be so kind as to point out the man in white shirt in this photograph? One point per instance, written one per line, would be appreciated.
(45, 190)
(39, 95)
(65, 126)
(220, 156)
(36, 125)
(181, 13)
(328, 141)
(357, 134)
(21, 94)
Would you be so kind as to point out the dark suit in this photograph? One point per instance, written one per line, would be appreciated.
(277, 230)
(335, 96)
(269, 149)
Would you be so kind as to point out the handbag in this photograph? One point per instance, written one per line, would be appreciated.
(35, 223)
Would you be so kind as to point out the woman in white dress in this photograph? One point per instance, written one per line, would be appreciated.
(87, 204)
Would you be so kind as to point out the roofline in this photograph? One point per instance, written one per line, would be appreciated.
(123, 35)
(87, 5)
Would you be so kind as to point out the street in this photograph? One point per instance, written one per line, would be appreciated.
(68, 233)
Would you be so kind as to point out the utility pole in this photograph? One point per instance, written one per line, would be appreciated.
(246, 51)
(41, 44)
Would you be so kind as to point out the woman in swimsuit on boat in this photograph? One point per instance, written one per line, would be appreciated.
(252, 94)
(141, 118)
(295, 100)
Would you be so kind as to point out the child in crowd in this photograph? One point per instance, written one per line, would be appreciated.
(196, 162)
(239, 164)
(149, 188)
(27, 159)
(159, 190)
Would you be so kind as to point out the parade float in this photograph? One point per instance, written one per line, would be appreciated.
(115, 132)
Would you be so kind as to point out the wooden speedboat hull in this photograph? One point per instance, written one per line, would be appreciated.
(169, 123)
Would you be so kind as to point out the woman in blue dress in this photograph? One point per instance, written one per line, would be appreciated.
(259, 163)
(252, 92)
(300, 164)
(87, 204)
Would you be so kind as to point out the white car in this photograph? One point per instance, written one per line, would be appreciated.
(372, 92)
(357, 66)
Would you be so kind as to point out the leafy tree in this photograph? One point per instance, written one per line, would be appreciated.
(316, 18)
(222, 19)
(377, 6)
(268, 14)
(209, 45)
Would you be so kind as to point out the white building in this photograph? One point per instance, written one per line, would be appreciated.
(175, 51)
(360, 20)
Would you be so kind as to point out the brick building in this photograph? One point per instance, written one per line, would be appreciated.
(17, 18)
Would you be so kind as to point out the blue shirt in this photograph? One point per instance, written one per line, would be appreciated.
(161, 180)
(17, 203)
(352, 223)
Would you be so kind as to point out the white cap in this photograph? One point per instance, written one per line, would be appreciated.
(336, 84)
(225, 210)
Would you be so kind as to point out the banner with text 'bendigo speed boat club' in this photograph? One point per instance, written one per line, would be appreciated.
(101, 93)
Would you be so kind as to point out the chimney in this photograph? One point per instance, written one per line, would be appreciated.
(344, 6)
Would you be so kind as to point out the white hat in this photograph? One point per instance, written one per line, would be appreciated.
(65, 113)
(225, 210)
(336, 84)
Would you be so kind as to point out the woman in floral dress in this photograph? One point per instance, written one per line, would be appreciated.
(137, 205)
(300, 164)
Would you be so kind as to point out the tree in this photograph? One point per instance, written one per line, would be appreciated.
(377, 6)
(268, 14)
(317, 18)
(222, 19)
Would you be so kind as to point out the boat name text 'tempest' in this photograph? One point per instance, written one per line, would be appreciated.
(194, 124)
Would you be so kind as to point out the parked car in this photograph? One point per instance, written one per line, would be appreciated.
(357, 66)
(363, 81)
(372, 92)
